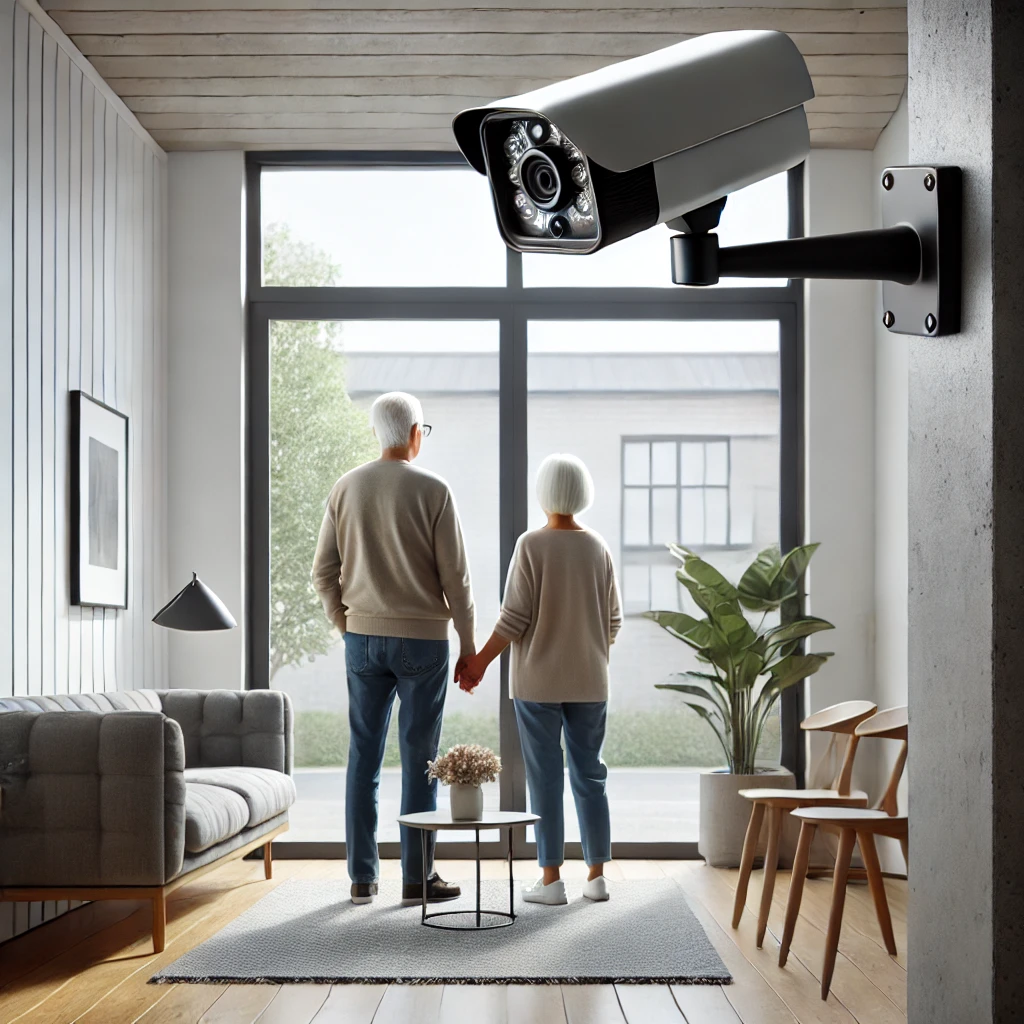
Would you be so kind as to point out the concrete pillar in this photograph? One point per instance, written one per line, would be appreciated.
(966, 468)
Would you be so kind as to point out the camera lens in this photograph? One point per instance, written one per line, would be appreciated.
(559, 226)
(540, 179)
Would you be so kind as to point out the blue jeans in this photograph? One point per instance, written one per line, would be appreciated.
(378, 667)
(540, 731)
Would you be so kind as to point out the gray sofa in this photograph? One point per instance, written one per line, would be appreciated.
(129, 794)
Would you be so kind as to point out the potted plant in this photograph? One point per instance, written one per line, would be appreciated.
(464, 769)
(749, 664)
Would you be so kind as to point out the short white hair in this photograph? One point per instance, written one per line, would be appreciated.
(564, 485)
(393, 416)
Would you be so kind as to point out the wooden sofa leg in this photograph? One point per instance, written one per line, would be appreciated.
(159, 922)
(268, 860)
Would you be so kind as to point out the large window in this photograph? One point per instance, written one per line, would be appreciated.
(367, 278)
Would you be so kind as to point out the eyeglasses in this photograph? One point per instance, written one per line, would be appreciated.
(426, 428)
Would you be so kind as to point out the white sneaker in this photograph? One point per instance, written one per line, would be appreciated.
(596, 889)
(552, 895)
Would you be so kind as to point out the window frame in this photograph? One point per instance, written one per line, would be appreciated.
(513, 306)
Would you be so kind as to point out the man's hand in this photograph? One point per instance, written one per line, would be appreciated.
(471, 672)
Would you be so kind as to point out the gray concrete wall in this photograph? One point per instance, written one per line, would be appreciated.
(966, 650)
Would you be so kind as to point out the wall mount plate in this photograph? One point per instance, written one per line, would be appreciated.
(929, 199)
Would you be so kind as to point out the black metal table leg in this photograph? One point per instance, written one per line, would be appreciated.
(511, 881)
(423, 892)
(478, 878)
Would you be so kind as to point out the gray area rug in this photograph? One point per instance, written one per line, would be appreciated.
(307, 931)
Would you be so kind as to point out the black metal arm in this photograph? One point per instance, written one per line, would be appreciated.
(887, 254)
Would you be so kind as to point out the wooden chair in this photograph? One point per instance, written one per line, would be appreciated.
(859, 825)
(840, 719)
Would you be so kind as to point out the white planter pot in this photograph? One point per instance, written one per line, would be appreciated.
(724, 814)
(467, 802)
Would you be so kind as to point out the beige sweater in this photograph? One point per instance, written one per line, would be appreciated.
(390, 560)
(562, 612)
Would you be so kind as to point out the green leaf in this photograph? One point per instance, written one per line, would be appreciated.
(793, 567)
(797, 630)
(676, 623)
(705, 685)
(795, 668)
(718, 729)
(755, 586)
(709, 577)
(704, 599)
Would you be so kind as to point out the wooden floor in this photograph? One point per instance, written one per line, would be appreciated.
(93, 964)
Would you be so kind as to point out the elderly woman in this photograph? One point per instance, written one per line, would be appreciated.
(561, 614)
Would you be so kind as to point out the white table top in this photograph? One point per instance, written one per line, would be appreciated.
(440, 821)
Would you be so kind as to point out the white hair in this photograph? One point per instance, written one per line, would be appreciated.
(393, 416)
(564, 485)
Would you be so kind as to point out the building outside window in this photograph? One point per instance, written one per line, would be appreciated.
(673, 398)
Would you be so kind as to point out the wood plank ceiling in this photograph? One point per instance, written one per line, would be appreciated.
(328, 74)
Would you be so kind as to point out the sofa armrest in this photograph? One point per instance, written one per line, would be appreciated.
(91, 799)
(223, 728)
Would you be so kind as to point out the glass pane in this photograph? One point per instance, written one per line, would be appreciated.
(594, 387)
(636, 459)
(693, 515)
(693, 463)
(636, 588)
(366, 226)
(716, 455)
(323, 378)
(636, 509)
(664, 588)
(664, 456)
(716, 516)
(663, 509)
(758, 213)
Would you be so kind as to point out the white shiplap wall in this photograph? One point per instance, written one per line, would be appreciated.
(82, 200)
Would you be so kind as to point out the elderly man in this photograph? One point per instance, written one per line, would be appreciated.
(391, 571)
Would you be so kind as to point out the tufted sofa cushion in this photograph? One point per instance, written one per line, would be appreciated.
(212, 814)
(265, 793)
(91, 798)
(232, 728)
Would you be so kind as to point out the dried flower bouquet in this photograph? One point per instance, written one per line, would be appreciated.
(468, 764)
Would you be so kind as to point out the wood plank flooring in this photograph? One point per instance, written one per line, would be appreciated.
(93, 965)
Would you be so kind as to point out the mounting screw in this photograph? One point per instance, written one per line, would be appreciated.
(888, 181)
(888, 319)
(929, 323)
(929, 182)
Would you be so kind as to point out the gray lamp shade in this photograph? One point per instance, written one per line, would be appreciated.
(196, 607)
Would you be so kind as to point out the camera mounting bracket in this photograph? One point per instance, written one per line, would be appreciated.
(916, 254)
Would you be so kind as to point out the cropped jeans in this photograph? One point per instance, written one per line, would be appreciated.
(378, 668)
(540, 731)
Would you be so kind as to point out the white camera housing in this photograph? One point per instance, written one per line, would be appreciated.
(584, 163)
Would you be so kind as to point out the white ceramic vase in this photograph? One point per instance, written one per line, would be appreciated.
(467, 802)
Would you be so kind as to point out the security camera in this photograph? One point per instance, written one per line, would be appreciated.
(583, 163)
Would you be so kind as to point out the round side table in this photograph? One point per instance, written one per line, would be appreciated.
(441, 821)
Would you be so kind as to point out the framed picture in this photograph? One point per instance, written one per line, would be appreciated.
(99, 504)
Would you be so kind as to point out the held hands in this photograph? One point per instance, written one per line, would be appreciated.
(469, 671)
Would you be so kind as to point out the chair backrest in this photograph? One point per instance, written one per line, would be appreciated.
(891, 724)
(842, 719)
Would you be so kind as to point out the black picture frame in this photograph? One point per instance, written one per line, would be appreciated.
(98, 543)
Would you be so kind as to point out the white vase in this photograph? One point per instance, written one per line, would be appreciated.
(467, 802)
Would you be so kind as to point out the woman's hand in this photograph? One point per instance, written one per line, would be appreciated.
(472, 671)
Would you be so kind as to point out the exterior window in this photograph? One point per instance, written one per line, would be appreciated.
(675, 489)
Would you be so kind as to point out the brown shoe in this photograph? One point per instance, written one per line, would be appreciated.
(438, 891)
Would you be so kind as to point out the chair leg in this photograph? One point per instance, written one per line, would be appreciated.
(796, 887)
(847, 837)
(268, 860)
(747, 861)
(906, 857)
(869, 853)
(771, 864)
(159, 923)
